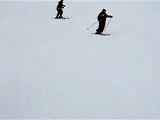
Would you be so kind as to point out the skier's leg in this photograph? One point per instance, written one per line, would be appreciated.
(102, 25)
(57, 14)
(98, 30)
(61, 12)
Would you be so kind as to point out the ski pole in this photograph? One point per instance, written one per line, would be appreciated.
(107, 24)
(92, 25)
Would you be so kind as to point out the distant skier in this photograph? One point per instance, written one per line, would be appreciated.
(102, 21)
(60, 7)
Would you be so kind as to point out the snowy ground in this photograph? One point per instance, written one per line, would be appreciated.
(56, 69)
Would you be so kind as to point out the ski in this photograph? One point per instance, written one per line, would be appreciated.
(103, 34)
(61, 18)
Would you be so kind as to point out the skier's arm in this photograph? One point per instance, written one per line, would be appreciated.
(63, 6)
(109, 16)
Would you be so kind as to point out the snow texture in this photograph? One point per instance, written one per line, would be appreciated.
(57, 69)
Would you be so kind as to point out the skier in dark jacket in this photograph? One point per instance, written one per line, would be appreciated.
(60, 7)
(102, 21)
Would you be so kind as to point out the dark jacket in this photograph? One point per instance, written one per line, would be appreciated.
(60, 5)
(102, 17)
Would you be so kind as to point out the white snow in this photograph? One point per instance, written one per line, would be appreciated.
(56, 69)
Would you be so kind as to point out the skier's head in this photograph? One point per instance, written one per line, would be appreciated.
(103, 10)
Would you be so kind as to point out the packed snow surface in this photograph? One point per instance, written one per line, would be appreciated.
(53, 68)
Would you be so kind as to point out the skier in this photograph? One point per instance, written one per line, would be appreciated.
(60, 7)
(102, 21)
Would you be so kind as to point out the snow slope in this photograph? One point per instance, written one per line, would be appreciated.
(56, 69)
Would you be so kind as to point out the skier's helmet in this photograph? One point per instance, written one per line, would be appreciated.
(103, 10)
